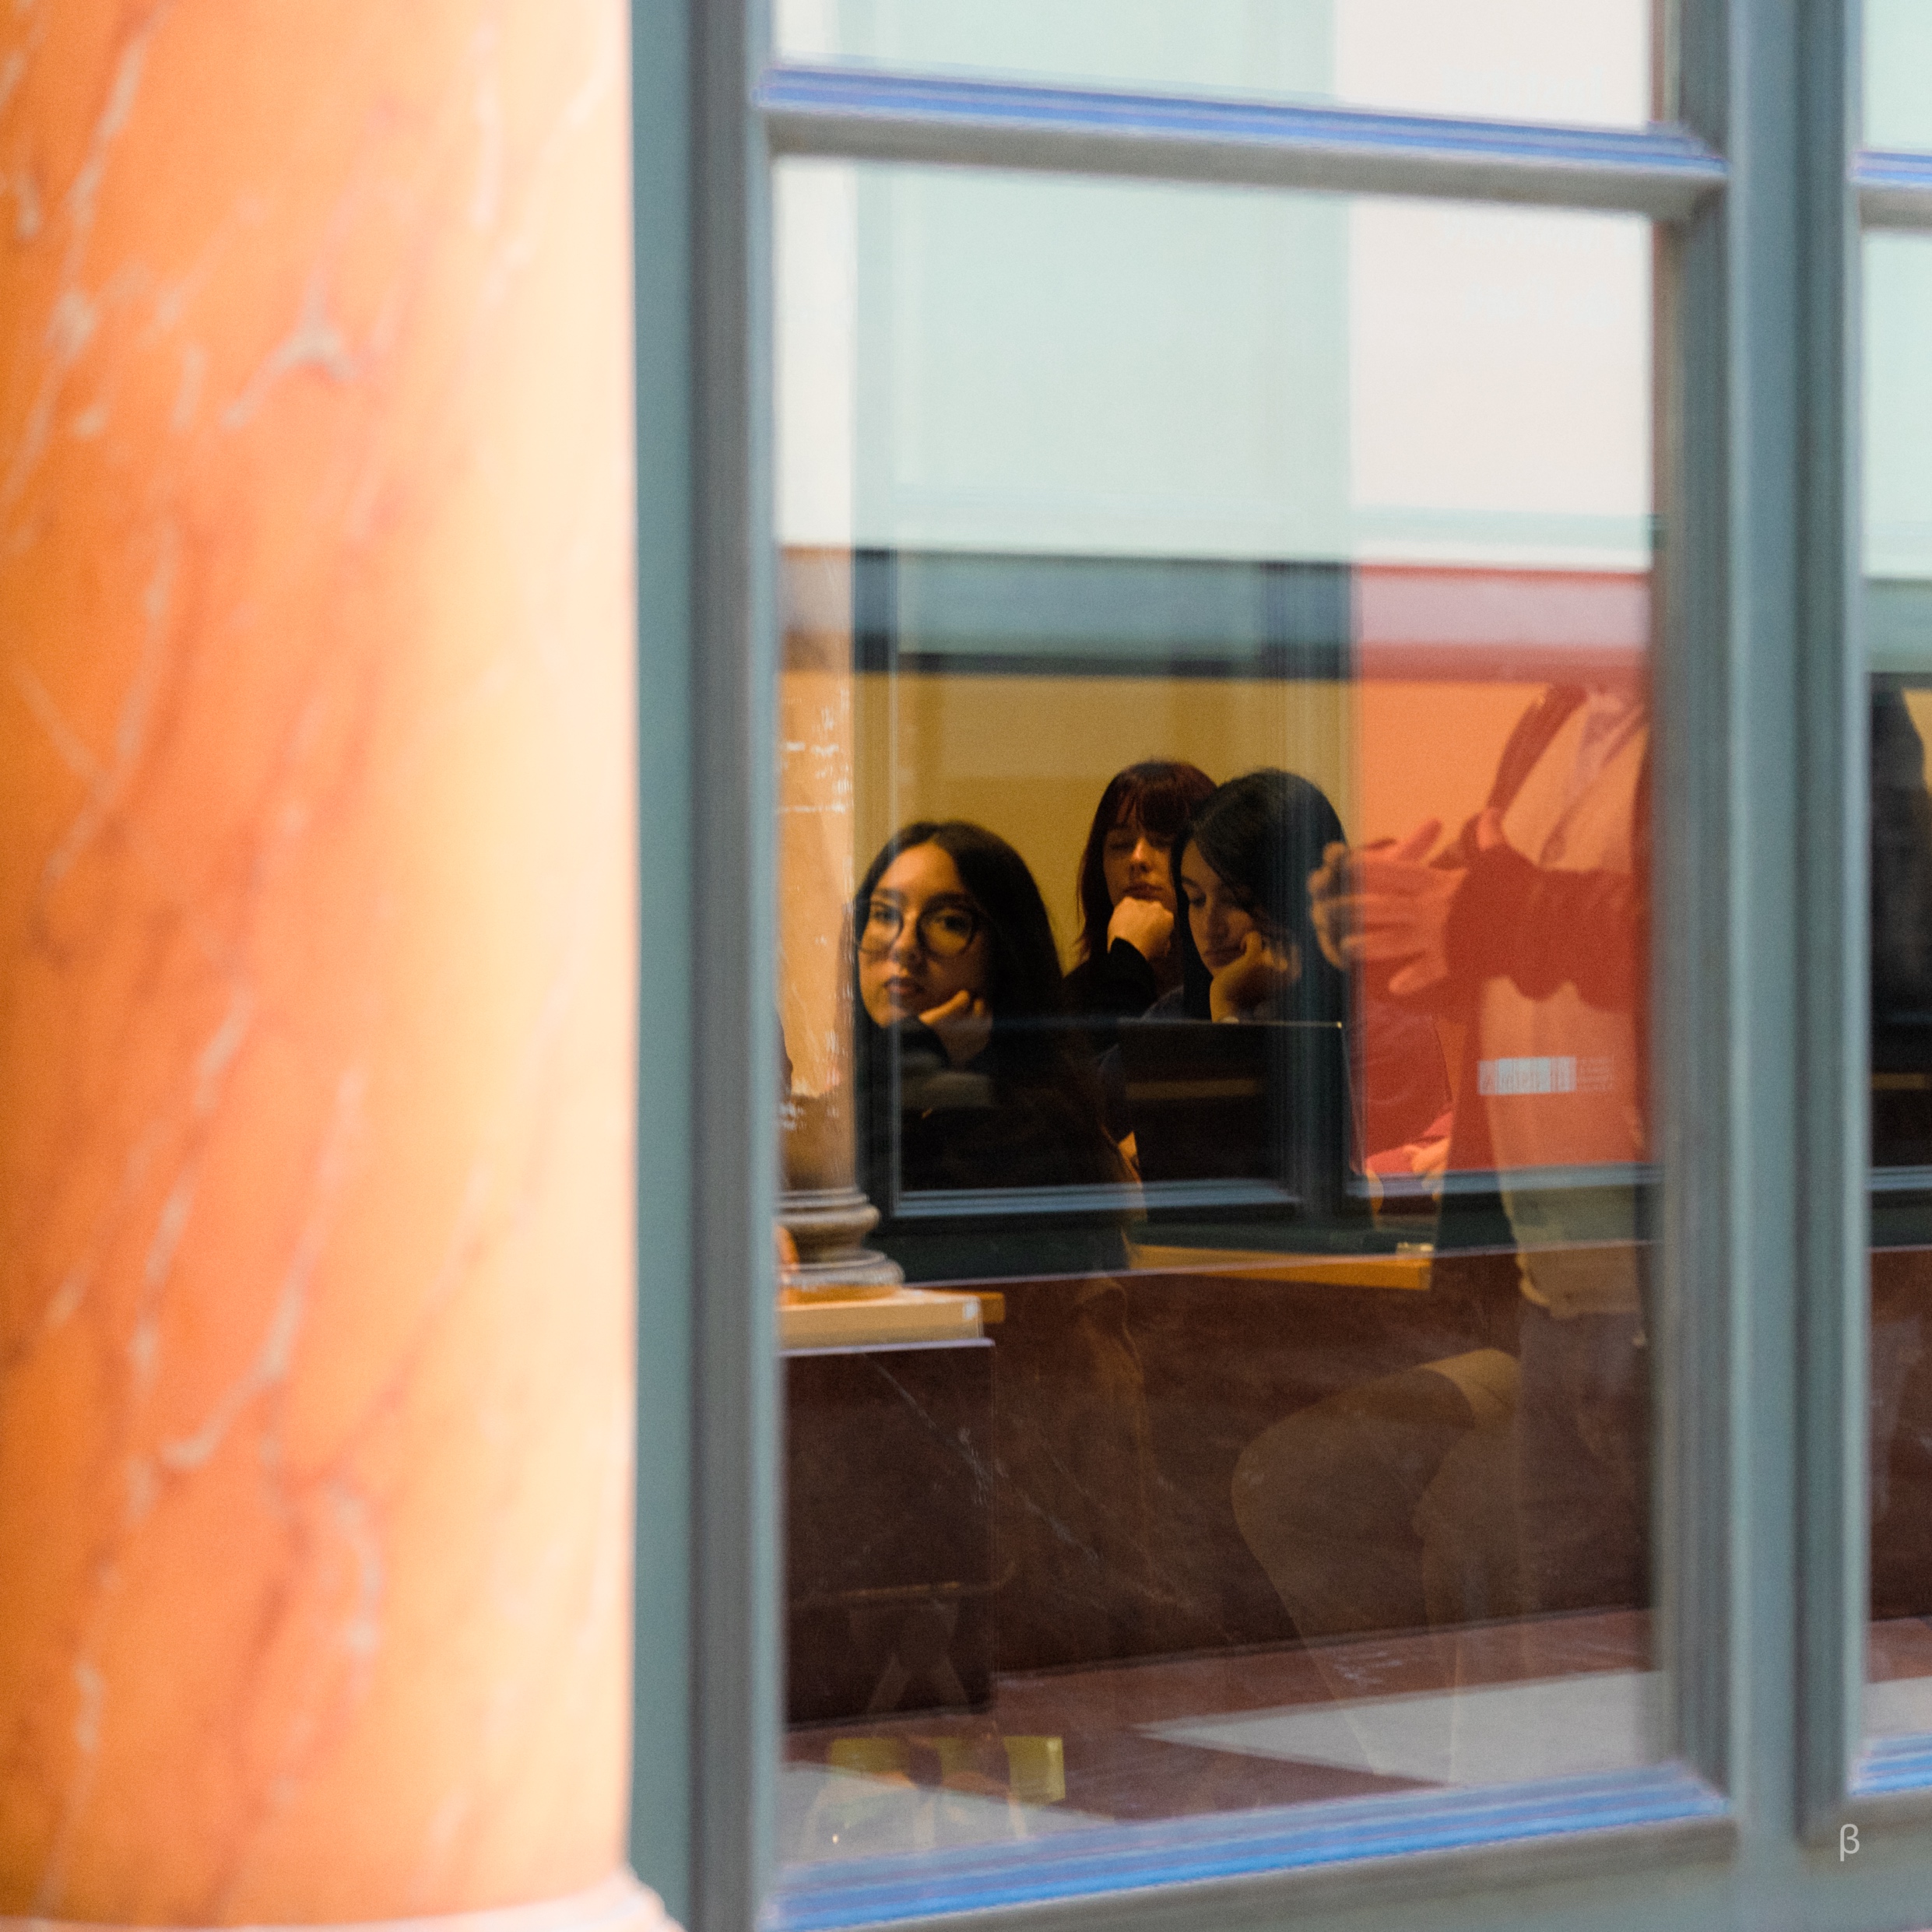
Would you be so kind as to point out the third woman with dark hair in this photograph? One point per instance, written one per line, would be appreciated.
(1247, 949)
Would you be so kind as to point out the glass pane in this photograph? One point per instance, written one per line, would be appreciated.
(1586, 60)
(1898, 630)
(1201, 607)
(1898, 74)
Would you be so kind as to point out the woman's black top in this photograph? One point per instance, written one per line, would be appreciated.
(981, 1128)
(1119, 985)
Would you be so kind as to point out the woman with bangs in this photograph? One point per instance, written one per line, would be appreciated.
(1127, 952)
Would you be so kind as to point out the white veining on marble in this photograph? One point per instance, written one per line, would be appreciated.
(63, 737)
(149, 386)
(75, 316)
(83, 199)
(272, 1361)
(517, 250)
(315, 341)
(111, 779)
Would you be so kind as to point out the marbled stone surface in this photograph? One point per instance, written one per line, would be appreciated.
(889, 1529)
(1901, 1411)
(1162, 1738)
(1123, 1408)
(315, 956)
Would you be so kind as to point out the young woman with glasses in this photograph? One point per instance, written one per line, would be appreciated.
(962, 1008)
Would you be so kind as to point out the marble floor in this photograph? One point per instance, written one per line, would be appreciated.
(1063, 1751)
(1899, 1677)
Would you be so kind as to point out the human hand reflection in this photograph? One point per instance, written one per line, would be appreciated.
(1253, 976)
(1385, 905)
(1428, 1160)
(964, 1024)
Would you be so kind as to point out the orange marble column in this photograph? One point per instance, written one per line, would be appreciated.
(316, 962)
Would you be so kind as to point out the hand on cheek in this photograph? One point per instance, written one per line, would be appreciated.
(1253, 977)
(964, 1024)
(1385, 905)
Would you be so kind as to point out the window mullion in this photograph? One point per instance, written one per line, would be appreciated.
(1772, 1291)
(1832, 929)
(731, 1154)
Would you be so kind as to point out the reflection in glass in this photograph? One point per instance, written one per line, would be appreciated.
(1898, 43)
(1215, 776)
(1899, 640)
(1515, 60)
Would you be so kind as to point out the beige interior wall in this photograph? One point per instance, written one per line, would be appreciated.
(1918, 703)
(1028, 757)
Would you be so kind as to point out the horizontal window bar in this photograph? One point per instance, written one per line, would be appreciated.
(1895, 190)
(1640, 1812)
(865, 113)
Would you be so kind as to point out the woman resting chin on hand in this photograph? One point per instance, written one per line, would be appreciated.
(1125, 948)
(1250, 836)
(1244, 941)
(965, 1073)
(1261, 971)
(1146, 925)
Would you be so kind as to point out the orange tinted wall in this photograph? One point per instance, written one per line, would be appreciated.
(1427, 748)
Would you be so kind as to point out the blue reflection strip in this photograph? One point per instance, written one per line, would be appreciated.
(1894, 189)
(871, 113)
(1894, 1764)
(1182, 1851)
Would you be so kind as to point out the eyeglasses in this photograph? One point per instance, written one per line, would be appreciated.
(945, 931)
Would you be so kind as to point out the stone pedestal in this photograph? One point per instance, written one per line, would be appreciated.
(825, 1215)
(316, 918)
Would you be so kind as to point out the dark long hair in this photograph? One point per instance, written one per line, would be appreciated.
(1158, 795)
(1032, 1056)
(1264, 833)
